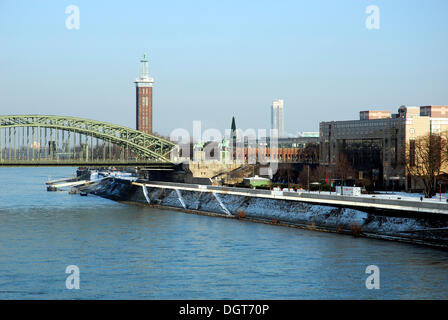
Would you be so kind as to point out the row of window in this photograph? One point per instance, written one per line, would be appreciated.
(145, 101)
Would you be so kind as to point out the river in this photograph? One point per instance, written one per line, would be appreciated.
(135, 252)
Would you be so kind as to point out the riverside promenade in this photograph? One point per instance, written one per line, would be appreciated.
(380, 216)
(380, 202)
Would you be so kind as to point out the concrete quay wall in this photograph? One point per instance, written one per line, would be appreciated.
(290, 209)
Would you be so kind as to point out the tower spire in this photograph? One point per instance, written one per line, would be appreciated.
(233, 137)
(144, 69)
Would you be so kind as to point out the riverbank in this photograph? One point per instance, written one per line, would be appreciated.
(415, 222)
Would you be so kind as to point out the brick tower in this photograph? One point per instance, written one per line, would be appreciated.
(143, 86)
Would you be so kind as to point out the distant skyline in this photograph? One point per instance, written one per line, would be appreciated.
(214, 60)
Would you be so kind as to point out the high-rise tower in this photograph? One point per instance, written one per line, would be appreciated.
(277, 117)
(143, 87)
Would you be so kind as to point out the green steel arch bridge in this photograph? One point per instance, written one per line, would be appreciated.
(42, 140)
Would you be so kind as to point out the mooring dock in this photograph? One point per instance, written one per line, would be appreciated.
(56, 186)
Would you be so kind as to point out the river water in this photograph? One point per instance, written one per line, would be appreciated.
(134, 252)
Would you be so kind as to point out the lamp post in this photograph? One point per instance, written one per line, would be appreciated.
(308, 178)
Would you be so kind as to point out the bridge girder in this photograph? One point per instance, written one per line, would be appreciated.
(144, 145)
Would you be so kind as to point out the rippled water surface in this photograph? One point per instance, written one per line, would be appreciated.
(133, 252)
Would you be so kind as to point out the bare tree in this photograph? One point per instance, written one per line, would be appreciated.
(424, 160)
(304, 176)
(319, 174)
(343, 168)
(286, 172)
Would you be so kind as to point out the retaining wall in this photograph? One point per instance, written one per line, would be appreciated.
(258, 205)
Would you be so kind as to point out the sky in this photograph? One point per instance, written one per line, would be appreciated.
(213, 60)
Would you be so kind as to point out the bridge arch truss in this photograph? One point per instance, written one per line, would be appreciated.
(41, 139)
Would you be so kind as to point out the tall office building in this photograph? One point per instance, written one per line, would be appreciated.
(143, 87)
(277, 117)
(379, 144)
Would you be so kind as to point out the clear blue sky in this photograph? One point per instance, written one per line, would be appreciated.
(213, 60)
